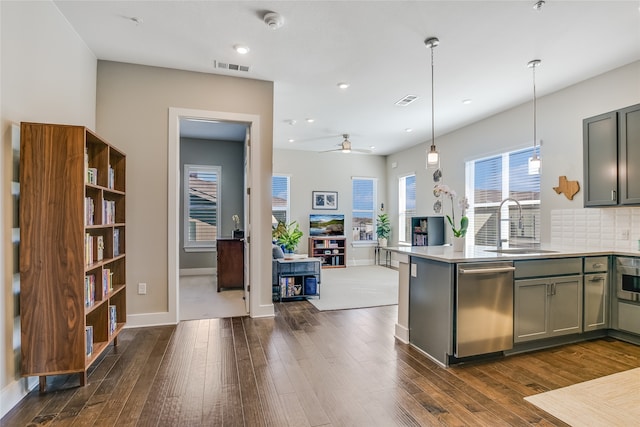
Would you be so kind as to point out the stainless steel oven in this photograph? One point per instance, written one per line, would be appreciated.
(628, 278)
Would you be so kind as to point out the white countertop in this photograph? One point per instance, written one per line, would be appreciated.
(482, 253)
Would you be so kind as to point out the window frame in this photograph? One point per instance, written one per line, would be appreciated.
(287, 209)
(528, 205)
(374, 202)
(404, 214)
(203, 245)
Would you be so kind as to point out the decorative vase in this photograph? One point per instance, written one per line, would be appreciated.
(458, 244)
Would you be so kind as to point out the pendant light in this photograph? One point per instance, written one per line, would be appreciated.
(433, 157)
(534, 162)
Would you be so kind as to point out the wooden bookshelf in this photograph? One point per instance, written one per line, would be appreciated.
(331, 250)
(72, 234)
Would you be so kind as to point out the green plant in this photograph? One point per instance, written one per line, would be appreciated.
(464, 204)
(383, 226)
(287, 235)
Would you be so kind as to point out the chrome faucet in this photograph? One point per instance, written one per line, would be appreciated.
(499, 231)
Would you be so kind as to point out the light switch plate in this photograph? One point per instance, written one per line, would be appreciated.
(414, 270)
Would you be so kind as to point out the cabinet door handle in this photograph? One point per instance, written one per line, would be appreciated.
(596, 279)
(614, 195)
(597, 265)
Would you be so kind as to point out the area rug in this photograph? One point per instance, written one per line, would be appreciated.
(357, 287)
(613, 400)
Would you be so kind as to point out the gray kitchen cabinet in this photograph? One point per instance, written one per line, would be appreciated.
(629, 154)
(596, 293)
(600, 151)
(547, 307)
(611, 143)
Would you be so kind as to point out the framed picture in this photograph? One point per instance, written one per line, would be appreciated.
(324, 200)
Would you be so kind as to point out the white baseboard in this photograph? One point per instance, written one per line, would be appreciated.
(14, 392)
(198, 271)
(402, 333)
(145, 320)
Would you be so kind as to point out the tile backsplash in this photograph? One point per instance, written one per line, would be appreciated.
(595, 228)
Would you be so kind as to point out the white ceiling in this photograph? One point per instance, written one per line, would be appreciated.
(377, 47)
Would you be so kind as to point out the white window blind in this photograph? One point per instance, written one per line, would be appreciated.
(201, 205)
(280, 197)
(493, 179)
(364, 204)
(406, 206)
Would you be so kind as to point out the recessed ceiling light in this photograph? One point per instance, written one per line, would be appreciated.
(343, 85)
(408, 130)
(292, 140)
(310, 120)
(466, 101)
(242, 50)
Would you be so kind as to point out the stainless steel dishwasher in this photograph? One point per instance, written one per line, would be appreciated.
(484, 308)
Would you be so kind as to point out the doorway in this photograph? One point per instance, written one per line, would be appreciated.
(240, 123)
(212, 174)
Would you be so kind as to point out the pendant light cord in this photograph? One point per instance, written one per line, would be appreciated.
(535, 109)
(433, 133)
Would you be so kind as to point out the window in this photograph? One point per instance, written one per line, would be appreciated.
(493, 179)
(201, 205)
(280, 197)
(364, 205)
(406, 206)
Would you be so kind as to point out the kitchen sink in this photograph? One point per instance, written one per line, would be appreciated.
(520, 251)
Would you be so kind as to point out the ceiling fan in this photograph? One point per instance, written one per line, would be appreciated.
(345, 147)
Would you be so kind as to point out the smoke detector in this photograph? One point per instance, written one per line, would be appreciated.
(273, 20)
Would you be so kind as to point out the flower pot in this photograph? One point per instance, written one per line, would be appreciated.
(382, 242)
(458, 244)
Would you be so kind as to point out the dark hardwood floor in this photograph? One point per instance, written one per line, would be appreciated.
(307, 368)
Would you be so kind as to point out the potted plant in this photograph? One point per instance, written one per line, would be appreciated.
(287, 235)
(383, 229)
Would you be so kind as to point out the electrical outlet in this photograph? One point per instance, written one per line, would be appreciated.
(624, 235)
(142, 288)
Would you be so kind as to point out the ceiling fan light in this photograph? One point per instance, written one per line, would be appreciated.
(346, 150)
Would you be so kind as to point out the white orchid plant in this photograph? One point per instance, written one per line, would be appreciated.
(444, 190)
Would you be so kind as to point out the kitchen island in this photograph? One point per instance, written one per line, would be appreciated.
(428, 300)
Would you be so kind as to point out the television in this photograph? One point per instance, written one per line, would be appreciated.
(326, 225)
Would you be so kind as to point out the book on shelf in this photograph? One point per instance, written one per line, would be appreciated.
(110, 177)
(107, 281)
(89, 290)
(89, 211)
(113, 319)
(116, 242)
(99, 249)
(92, 176)
(89, 339)
(108, 211)
(88, 249)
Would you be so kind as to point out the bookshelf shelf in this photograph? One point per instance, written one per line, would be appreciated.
(331, 250)
(72, 252)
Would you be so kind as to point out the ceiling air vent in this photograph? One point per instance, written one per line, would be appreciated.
(406, 100)
(232, 67)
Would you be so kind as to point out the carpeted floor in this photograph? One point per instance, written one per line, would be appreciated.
(356, 287)
(200, 300)
(613, 400)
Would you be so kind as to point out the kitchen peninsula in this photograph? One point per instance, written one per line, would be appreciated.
(528, 298)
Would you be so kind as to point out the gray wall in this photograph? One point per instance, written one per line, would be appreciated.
(133, 104)
(230, 156)
(309, 171)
